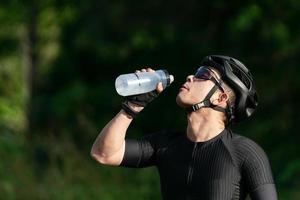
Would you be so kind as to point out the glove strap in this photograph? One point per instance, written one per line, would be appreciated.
(128, 110)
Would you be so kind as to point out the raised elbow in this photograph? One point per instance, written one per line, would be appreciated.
(112, 158)
(93, 154)
(99, 158)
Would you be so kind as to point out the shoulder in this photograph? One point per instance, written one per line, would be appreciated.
(256, 168)
(239, 143)
(244, 149)
(247, 146)
(253, 157)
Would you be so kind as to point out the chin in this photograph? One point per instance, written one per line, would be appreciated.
(181, 102)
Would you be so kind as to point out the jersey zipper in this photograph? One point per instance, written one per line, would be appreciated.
(191, 166)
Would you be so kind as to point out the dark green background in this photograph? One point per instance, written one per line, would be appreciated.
(59, 60)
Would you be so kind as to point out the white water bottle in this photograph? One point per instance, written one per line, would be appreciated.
(142, 82)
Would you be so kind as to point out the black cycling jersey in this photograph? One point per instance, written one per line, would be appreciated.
(228, 166)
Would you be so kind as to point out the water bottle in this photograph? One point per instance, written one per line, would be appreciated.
(142, 82)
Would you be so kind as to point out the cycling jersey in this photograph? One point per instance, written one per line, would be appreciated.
(226, 167)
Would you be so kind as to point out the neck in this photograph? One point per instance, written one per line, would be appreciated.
(204, 125)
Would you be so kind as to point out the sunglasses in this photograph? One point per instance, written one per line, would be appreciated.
(207, 74)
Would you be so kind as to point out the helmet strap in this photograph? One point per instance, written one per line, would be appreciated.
(207, 103)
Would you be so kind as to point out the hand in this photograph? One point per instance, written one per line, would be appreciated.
(159, 87)
(138, 102)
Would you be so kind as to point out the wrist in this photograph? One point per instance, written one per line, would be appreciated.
(126, 114)
(135, 107)
(131, 109)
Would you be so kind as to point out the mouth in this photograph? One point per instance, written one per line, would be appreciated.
(184, 87)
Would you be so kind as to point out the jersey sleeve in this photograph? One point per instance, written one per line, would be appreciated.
(264, 192)
(142, 152)
(257, 173)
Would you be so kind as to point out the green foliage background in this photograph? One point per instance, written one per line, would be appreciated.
(59, 60)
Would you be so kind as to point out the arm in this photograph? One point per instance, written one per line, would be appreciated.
(264, 192)
(258, 174)
(109, 146)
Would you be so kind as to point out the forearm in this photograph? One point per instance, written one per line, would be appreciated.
(111, 139)
(109, 145)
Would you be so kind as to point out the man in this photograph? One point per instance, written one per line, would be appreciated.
(209, 161)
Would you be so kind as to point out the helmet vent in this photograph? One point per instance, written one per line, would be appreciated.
(242, 76)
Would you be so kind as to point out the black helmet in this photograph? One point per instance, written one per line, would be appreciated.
(239, 78)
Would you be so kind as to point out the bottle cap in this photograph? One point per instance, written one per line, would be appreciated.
(171, 79)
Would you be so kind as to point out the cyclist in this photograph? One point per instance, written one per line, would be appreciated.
(208, 161)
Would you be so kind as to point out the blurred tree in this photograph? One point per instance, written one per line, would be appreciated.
(59, 60)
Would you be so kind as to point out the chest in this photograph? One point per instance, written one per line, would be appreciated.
(197, 167)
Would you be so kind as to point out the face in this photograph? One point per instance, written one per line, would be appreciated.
(193, 91)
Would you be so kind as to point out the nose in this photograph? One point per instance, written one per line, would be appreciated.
(190, 78)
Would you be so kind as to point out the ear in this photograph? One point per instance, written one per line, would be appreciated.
(223, 98)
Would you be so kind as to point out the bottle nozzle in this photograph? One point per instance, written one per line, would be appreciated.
(171, 79)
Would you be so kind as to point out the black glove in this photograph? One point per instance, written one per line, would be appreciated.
(140, 100)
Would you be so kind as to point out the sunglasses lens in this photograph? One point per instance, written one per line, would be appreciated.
(203, 73)
(206, 74)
